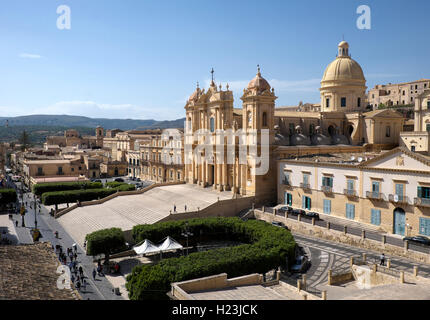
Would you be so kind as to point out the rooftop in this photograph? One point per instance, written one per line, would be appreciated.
(29, 272)
(342, 158)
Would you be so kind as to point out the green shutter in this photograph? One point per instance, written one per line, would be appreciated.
(420, 192)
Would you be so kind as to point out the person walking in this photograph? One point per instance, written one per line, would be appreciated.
(78, 285)
(94, 273)
(84, 284)
(72, 278)
(75, 247)
(75, 255)
(185, 208)
(16, 223)
(81, 271)
(382, 258)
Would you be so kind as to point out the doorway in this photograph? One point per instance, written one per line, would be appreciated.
(399, 221)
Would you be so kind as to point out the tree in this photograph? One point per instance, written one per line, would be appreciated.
(24, 140)
(106, 241)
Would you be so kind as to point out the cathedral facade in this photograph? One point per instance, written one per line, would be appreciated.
(342, 123)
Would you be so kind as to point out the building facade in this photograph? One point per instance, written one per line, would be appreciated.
(397, 94)
(341, 124)
(390, 190)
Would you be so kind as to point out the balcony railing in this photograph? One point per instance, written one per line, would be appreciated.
(422, 202)
(397, 198)
(374, 195)
(327, 189)
(350, 192)
(305, 186)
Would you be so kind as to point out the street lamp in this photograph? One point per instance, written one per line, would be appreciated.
(186, 234)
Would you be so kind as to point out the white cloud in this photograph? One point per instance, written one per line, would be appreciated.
(30, 56)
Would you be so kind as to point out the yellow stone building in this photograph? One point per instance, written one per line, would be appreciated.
(340, 124)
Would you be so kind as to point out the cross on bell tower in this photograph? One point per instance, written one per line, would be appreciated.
(212, 73)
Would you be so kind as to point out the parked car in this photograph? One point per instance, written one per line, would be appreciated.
(285, 209)
(312, 215)
(119, 180)
(298, 211)
(138, 180)
(418, 239)
(279, 224)
(301, 264)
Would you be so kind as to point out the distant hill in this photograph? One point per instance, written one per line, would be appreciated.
(67, 121)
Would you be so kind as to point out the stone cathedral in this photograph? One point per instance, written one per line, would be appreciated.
(342, 123)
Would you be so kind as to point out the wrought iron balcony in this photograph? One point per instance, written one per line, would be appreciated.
(327, 189)
(422, 202)
(350, 192)
(375, 195)
(305, 186)
(397, 198)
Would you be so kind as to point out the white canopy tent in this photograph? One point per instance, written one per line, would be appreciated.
(169, 244)
(146, 247)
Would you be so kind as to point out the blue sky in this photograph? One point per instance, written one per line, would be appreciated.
(141, 59)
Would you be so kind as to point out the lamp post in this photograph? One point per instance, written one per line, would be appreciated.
(35, 211)
(186, 234)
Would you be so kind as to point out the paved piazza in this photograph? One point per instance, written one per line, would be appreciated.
(127, 211)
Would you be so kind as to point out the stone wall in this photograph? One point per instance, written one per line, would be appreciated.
(340, 237)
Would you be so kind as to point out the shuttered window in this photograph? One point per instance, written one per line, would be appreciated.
(375, 217)
(327, 206)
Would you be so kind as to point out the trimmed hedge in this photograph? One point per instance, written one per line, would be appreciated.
(41, 188)
(57, 197)
(105, 241)
(51, 198)
(267, 249)
(7, 196)
(114, 184)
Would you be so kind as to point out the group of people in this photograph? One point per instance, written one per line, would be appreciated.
(71, 253)
(78, 275)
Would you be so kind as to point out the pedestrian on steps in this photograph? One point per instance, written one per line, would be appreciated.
(382, 258)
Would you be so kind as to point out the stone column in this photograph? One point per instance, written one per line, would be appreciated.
(364, 257)
(402, 277)
(406, 247)
(205, 174)
(384, 239)
(329, 280)
(299, 285)
(224, 175)
(415, 271)
(388, 263)
(218, 177)
(304, 281)
(324, 295)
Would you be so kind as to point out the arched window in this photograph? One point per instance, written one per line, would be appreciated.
(212, 124)
(264, 119)
(388, 131)
(249, 116)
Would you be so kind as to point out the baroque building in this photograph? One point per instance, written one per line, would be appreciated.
(340, 124)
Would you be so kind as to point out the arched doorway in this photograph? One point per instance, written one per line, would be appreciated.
(331, 130)
(116, 172)
(399, 221)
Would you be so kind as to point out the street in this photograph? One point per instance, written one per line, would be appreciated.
(325, 255)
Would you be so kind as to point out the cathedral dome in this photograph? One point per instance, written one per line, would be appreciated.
(300, 139)
(259, 82)
(343, 68)
(340, 139)
(320, 139)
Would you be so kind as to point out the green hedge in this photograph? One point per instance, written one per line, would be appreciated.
(7, 196)
(105, 241)
(41, 188)
(267, 249)
(114, 184)
(51, 198)
(57, 197)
